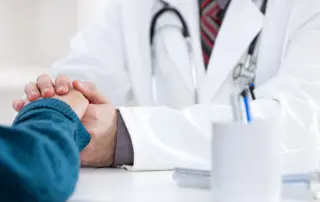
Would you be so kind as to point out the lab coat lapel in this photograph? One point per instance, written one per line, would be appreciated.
(242, 23)
(136, 19)
(272, 46)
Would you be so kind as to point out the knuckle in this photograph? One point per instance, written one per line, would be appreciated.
(96, 114)
(48, 85)
(41, 77)
(29, 86)
(62, 79)
(91, 86)
(44, 79)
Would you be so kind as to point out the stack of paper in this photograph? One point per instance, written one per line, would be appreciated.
(299, 187)
(192, 178)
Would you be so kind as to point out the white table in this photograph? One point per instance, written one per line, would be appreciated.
(115, 185)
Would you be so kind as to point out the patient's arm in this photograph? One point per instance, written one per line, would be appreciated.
(39, 154)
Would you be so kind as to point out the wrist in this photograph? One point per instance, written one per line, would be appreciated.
(101, 150)
(112, 142)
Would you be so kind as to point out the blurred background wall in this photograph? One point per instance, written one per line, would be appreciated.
(34, 34)
(37, 32)
(16, 32)
(54, 24)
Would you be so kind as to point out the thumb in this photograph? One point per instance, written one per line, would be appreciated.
(90, 91)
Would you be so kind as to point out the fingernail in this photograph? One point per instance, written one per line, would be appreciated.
(46, 91)
(61, 89)
(15, 105)
(33, 93)
(81, 84)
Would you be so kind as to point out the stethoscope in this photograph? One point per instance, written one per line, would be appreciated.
(244, 70)
(167, 8)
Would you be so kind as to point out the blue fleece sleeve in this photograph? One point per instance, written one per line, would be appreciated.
(39, 154)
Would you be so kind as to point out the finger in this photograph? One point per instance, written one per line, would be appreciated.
(32, 91)
(90, 91)
(45, 85)
(18, 104)
(62, 85)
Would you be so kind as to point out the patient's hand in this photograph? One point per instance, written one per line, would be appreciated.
(43, 88)
(100, 118)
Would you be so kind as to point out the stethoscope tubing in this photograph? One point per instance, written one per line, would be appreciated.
(167, 8)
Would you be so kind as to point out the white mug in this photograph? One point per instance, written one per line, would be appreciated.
(246, 162)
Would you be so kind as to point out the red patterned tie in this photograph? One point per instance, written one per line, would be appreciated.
(210, 24)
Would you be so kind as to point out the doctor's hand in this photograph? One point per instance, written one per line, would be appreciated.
(75, 99)
(78, 103)
(100, 120)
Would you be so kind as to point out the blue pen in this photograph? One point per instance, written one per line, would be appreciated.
(246, 101)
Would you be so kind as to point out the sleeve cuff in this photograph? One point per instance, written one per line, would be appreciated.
(81, 136)
(49, 103)
(124, 150)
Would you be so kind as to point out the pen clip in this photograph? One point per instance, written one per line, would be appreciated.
(251, 90)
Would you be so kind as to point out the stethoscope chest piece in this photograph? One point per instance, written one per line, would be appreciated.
(244, 72)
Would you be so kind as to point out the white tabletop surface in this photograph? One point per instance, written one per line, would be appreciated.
(115, 185)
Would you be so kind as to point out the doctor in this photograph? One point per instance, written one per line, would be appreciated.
(171, 127)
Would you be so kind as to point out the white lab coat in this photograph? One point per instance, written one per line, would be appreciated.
(114, 53)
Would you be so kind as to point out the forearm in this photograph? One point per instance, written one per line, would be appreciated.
(40, 153)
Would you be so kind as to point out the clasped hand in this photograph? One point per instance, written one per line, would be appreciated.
(96, 113)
